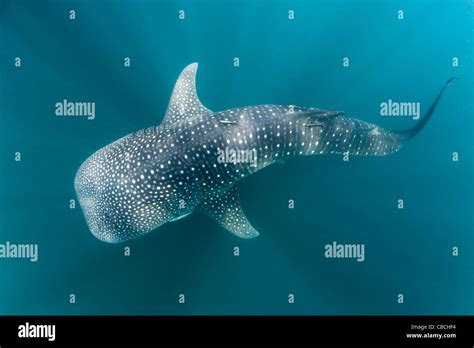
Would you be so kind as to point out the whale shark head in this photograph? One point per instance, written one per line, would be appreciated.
(110, 207)
(118, 193)
(92, 195)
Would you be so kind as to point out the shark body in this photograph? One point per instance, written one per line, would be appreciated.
(164, 173)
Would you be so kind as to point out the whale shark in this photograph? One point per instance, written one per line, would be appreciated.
(164, 173)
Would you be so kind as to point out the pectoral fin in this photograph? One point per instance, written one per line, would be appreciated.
(226, 210)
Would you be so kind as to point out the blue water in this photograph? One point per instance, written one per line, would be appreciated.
(282, 61)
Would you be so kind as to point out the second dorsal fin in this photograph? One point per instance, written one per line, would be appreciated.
(184, 102)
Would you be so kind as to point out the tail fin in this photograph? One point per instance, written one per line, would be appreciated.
(411, 132)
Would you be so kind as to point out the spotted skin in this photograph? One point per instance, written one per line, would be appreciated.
(164, 173)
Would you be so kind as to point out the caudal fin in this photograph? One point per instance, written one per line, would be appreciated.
(411, 132)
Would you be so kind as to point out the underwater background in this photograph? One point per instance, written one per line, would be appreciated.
(297, 61)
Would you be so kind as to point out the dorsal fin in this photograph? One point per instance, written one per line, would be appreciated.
(184, 102)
